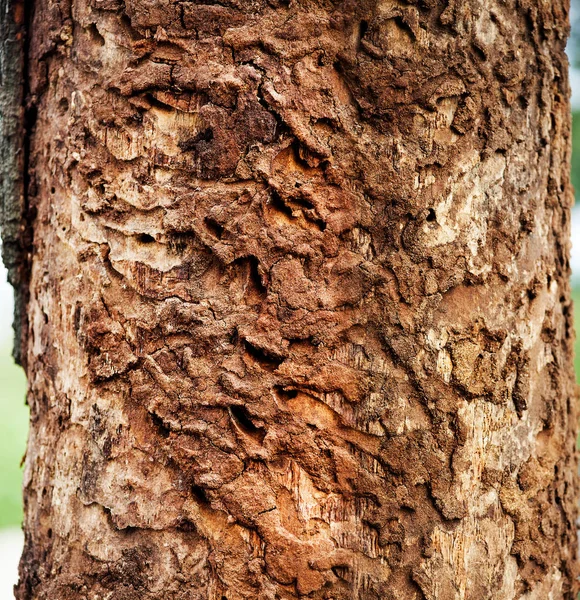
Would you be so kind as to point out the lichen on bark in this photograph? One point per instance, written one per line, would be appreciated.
(299, 321)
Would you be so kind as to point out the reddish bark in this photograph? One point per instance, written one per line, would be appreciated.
(299, 320)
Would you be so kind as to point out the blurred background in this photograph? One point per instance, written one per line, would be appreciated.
(13, 424)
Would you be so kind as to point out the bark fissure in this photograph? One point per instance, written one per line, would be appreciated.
(299, 321)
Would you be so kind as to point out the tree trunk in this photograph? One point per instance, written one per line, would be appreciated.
(298, 318)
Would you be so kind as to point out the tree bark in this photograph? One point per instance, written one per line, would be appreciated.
(299, 319)
(14, 159)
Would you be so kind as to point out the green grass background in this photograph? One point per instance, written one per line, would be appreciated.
(13, 427)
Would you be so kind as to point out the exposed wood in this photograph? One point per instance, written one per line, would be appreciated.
(299, 317)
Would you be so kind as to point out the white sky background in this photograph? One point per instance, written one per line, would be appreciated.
(6, 308)
(575, 85)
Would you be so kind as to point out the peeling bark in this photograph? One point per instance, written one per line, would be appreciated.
(299, 321)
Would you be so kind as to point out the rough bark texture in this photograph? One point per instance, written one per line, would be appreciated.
(299, 315)
(13, 158)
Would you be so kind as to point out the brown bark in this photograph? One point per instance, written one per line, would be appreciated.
(14, 159)
(299, 320)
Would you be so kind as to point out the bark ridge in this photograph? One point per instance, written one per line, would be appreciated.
(299, 321)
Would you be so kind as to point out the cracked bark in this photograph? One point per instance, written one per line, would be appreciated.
(298, 312)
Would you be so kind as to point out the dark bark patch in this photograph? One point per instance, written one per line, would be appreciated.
(160, 426)
(243, 421)
(215, 228)
(145, 238)
(265, 358)
(200, 495)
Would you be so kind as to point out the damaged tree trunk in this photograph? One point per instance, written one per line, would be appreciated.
(297, 319)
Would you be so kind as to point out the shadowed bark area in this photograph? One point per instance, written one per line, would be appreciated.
(299, 321)
(15, 122)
